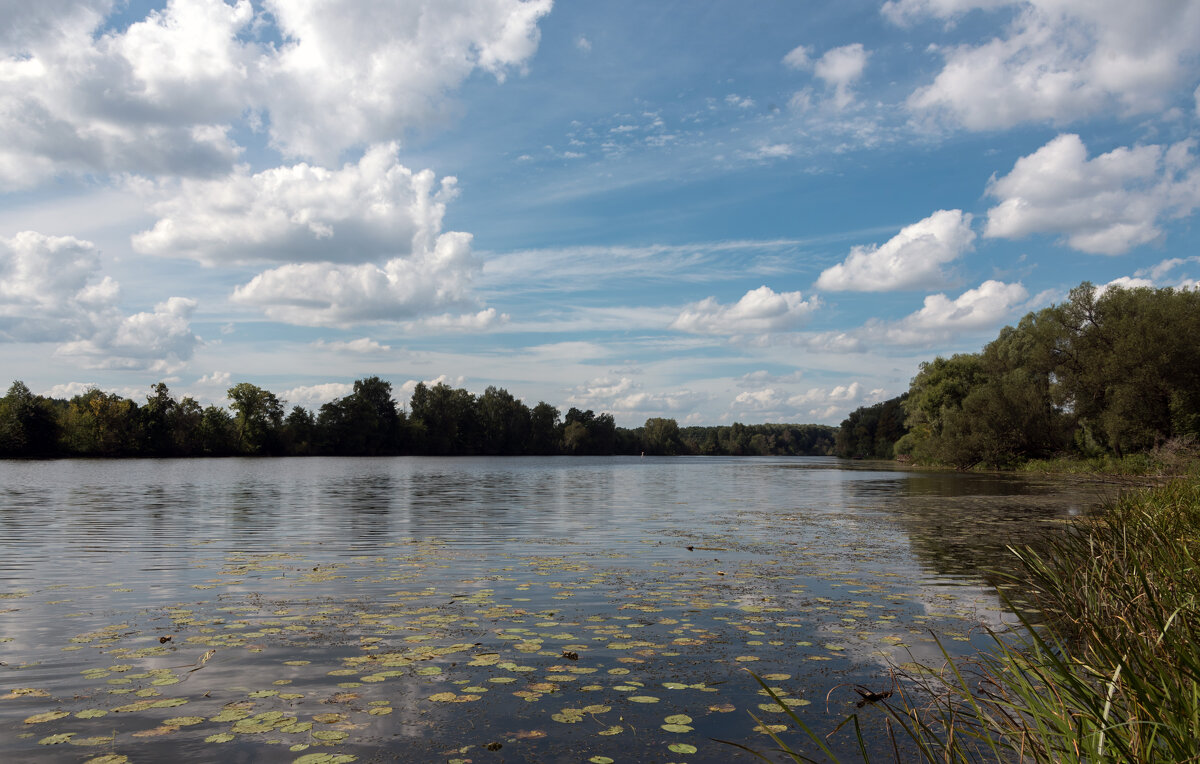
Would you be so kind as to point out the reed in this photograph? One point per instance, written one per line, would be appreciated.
(1110, 672)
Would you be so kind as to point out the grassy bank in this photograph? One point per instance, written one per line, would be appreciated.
(1111, 673)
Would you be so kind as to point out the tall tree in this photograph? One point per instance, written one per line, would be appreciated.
(259, 417)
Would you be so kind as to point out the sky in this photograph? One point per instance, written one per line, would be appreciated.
(755, 211)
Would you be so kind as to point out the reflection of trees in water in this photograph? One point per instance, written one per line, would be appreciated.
(963, 525)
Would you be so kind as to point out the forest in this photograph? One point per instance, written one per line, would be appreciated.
(439, 420)
(1107, 373)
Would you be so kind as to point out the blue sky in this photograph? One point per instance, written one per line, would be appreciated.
(716, 212)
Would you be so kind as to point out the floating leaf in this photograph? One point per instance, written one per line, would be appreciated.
(26, 692)
(48, 716)
(600, 760)
(642, 699)
(330, 736)
(111, 758)
(57, 739)
(91, 713)
(329, 718)
(220, 737)
(681, 748)
(616, 729)
(380, 711)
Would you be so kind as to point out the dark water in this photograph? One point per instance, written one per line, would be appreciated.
(419, 610)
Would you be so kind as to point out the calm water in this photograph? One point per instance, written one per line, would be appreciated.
(418, 610)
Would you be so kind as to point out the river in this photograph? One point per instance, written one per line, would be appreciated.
(481, 610)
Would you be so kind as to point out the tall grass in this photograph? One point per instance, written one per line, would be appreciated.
(1111, 672)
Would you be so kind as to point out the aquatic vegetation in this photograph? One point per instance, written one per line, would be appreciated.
(1110, 674)
(294, 637)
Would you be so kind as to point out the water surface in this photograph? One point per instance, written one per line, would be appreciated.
(550, 609)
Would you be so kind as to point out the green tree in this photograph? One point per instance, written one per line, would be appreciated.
(158, 421)
(544, 429)
(102, 424)
(27, 423)
(447, 417)
(661, 436)
(258, 419)
(505, 422)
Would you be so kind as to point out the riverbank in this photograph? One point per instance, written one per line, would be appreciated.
(1111, 670)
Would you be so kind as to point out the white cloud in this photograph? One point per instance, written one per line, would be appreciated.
(156, 98)
(1126, 282)
(50, 288)
(583, 44)
(69, 390)
(840, 68)
(1059, 60)
(467, 322)
(1105, 205)
(312, 396)
(353, 73)
(361, 345)
(904, 12)
(221, 379)
(798, 58)
(912, 258)
(816, 403)
(160, 340)
(162, 95)
(405, 391)
(624, 396)
(368, 210)
(984, 308)
(759, 310)
(767, 151)
(328, 294)
(1158, 272)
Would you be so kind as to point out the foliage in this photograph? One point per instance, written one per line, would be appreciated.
(440, 420)
(871, 432)
(1104, 374)
(1110, 673)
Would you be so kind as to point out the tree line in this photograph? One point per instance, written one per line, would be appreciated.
(439, 420)
(1107, 372)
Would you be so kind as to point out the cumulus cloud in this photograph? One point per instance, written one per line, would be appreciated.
(759, 310)
(50, 289)
(341, 78)
(312, 396)
(162, 95)
(222, 379)
(367, 210)
(818, 403)
(985, 307)
(68, 390)
(798, 58)
(625, 396)
(329, 294)
(160, 340)
(840, 68)
(1105, 205)
(467, 322)
(1058, 60)
(405, 391)
(912, 258)
(155, 99)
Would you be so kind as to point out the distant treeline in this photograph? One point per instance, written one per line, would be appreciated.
(439, 421)
(1109, 372)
